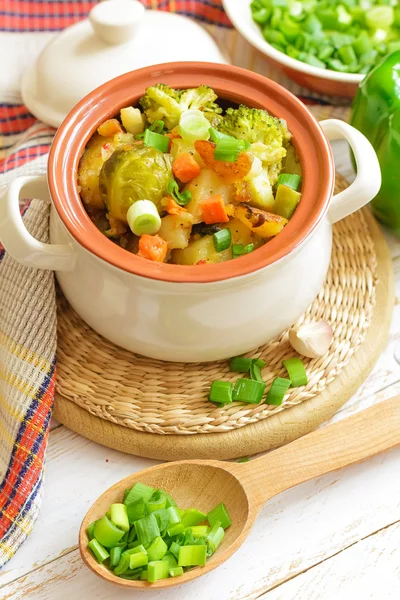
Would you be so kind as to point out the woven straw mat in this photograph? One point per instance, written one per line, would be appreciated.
(171, 398)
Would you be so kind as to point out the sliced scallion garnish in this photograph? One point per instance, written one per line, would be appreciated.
(193, 126)
(248, 390)
(296, 371)
(219, 513)
(221, 392)
(98, 550)
(181, 198)
(222, 239)
(143, 218)
(278, 390)
(290, 180)
(228, 149)
(191, 556)
(155, 140)
(240, 364)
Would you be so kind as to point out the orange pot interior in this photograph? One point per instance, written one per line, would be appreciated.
(231, 83)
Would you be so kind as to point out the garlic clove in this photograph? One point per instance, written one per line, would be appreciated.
(311, 339)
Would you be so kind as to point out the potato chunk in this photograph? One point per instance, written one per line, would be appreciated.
(204, 186)
(176, 229)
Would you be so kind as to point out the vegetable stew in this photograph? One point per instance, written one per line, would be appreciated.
(181, 180)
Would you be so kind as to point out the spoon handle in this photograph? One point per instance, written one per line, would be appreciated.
(361, 436)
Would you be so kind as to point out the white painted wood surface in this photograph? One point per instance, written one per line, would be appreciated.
(336, 537)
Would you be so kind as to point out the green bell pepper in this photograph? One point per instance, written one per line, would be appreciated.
(376, 113)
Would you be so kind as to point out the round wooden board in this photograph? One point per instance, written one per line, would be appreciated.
(266, 434)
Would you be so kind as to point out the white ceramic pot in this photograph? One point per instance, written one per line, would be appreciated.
(231, 308)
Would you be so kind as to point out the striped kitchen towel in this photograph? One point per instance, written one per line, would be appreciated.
(27, 296)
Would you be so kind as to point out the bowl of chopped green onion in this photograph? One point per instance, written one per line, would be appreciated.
(325, 45)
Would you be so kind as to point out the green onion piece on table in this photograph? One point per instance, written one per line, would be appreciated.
(255, 371)
(100, 553)
(219, 513)
(119, 516)
(240, 364)
(290, 179)
(191, 556)
(155, 140)
(221, 392)
(156, 570)
(278, 390)
(296, 371)
(222, 239)
(143, 218)
(139, 491)
(107, 533)
(181, 198)
(147, 529)
(193, 126)
(248, 390)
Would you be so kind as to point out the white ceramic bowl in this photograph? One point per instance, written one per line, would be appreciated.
(323, 81)
(197, 313)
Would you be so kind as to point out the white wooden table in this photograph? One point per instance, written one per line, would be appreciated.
(336, 537)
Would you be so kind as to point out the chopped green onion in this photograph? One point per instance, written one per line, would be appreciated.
(296, 371)
(119, 516)
(347, 55)
(192, 516)
(143, 218)
(156, 570)
(240, 364)
(174, 549)
(115, 556)
(191, 556)
(237, 250)
(181, 198)
(380, 17)
(221, 392)
(174, 516)
(175, 529)
(255, 371)
(163, 517)
(215, 135)
(138, 559)
(175, 571)
(157, 549)
(193, 126)
(278, 390)
(100, 553)
(200, 530)
(215, 536)
(290, 180)
(248, 390)
(147, 529)
(132, 574)
(143, 575)
(228, 149)
(247, 249)
(245, 459)
(136, 510)
(170, 500)
(157, 126)
(136, 549)
(139, 491)
(155, 140)
(171, 559)
(123, 564)
(260, 362)
(156, 502)
(222, 239)
(107, 533)
(132, 533)
(219, 513)
(90, 530)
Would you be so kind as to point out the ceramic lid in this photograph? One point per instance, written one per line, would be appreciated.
(119, 36)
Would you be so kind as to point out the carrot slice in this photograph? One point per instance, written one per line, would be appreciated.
(173, 207)
(230, 172)
(185, 167)
(153, 247)
(213, 210)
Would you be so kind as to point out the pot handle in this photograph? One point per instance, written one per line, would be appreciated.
(368, 180)
(15, 237)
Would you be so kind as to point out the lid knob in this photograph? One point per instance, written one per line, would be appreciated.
(114, 21)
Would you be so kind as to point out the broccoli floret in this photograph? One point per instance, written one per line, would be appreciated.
(167, 104)
(266, 134)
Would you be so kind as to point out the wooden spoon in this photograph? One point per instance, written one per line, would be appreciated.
(245, 487)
